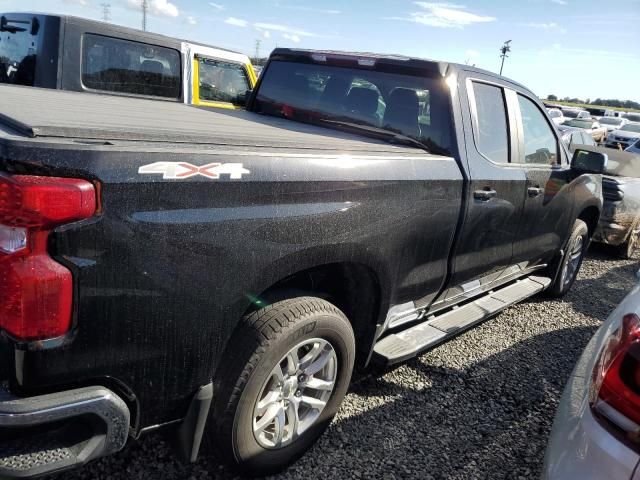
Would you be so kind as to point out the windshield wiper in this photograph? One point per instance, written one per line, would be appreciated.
(388, 135)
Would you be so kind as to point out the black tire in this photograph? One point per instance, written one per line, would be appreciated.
(567, 271)
(259, 343)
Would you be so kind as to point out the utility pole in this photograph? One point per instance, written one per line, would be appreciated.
(257, 50)
(145, 9)
(506, 48)
(106, 12)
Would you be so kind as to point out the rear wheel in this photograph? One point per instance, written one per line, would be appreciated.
(571, 260)
(287, 370)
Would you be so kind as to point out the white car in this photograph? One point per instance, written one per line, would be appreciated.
(624, 137)
(613, 123)
(556, 115)
(635, 148)
(595, 432)
(571, 113)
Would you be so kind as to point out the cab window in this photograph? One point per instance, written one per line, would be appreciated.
(540, 145)
(116, 65)
(492, 137)
(221, 81)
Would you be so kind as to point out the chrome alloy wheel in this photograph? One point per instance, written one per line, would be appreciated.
(296, 392)
(575, 254)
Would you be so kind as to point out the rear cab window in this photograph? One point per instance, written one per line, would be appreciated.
(220, 83)
(123, 66)
(366, 101)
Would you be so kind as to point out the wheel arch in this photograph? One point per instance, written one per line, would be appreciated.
(590, 215)
(345, 284)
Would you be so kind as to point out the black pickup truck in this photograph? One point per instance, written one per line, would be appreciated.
(220, 274)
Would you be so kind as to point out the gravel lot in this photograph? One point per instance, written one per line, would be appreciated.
(480, 406)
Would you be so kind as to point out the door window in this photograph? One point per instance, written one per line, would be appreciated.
(492, 133)
(540, 145)
(221, 81)
(116, 65)
(18, 48)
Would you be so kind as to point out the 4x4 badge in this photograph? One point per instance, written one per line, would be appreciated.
(180, 170)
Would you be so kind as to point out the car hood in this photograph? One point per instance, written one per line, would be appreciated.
(625, 134)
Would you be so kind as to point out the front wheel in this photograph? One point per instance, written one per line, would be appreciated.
(571, 260)
(287, 370)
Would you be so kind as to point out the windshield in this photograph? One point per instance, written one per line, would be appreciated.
(416, 107)
(633, 117)
(632, 127)
(610, 121)
(570, 113)
(579, 123)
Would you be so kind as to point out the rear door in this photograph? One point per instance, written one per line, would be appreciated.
(495, 195)
(548, 207)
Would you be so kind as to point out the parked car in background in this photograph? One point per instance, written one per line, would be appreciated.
(574, 137)
(619, 113)
(598, 132)
(619, 223)
(595, 431)
(71, 53)
(624, 137)
(633, 117)
(556, 115)
(634, 148)
(597, 112)
(613, 123)
(575, 113)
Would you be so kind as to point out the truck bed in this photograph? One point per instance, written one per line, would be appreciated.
(62, 116)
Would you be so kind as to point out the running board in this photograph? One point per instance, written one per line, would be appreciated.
(401, 346)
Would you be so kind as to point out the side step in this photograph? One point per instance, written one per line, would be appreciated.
(401, 346)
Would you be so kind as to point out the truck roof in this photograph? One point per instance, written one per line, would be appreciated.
(143, 35)
(389, 60)
(62, 116)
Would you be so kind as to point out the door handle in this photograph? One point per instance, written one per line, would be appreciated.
(534, 191)
(484, 195)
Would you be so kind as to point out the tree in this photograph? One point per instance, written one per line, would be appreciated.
(553, 98)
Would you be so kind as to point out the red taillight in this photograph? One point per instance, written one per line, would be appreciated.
(616, 377)
(36, 291)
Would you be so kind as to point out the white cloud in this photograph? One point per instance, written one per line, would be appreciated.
(266, 34)
(217, 6)
(293, 37)
(543, 26)
(82, 3)
(238, 22)
(444, 15)
(313, 9)
(560, 2)
(161, 8)
(284, 29)
(191, 20)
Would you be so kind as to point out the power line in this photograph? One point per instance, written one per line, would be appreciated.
(106, 12)
(145, 9)
(506, 48)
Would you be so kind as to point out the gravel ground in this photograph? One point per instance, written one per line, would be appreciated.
(480, 406)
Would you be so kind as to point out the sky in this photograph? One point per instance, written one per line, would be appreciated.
(577, 48)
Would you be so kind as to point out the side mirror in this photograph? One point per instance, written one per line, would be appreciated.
(585, 161)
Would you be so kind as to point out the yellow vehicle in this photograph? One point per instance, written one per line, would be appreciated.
(216, 78)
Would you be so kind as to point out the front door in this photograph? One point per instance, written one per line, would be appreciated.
(547, 213)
